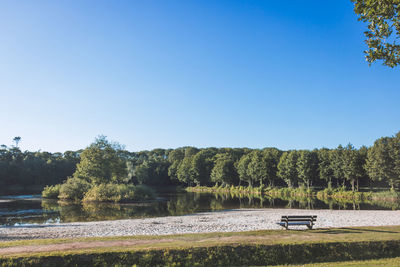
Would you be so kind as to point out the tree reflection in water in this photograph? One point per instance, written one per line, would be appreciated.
(176, 203)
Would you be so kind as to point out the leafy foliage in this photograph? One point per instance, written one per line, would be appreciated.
(102, 162)
(29, 169)
(383, 34)
(287, 168)
(51, 191)
(383, 160)
(119, 193)
(74, 189)
(224, 171)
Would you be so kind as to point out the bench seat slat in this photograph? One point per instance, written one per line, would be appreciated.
(295, 223)
(295, 220)
(300, 217)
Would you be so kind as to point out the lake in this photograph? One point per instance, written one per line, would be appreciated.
(32, 209)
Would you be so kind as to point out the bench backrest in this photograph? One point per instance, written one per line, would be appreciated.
(299, 218)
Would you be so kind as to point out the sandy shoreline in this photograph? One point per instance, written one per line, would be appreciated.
(221, 221)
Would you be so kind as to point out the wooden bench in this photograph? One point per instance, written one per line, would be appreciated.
(307, 220)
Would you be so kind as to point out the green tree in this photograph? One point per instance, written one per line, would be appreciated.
(324, 166)
(381, 162)
(395, 154)
(16, 140)
(224, 170)
(337, 165)
(383, 19)
(353, 163)
(242, 168)
(175, 157)
(185, 171)
(307, 166)
(202, 165)
(271, 158)
(101, 163)
(257, 168)
(153, 171)
(287, 168)
(263, 165)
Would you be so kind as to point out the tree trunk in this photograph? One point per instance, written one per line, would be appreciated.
(352, 185)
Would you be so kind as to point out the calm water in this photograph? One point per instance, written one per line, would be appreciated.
(31, 209)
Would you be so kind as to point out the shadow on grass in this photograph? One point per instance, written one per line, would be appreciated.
(353, 231)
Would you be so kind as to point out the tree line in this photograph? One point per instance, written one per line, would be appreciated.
(105, 162)
(24, 169)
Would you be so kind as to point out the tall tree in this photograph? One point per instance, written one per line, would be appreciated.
(175, 157)
(224, 170)
(337, 165)
(242, 168)
(324, 166)
(307, 167)
(395, 154)
(101, 162)
(263, 165)
(153, 171)
(257, 167)
(16, 140)
(287, 168)
(352, 165)
(202, 164)
(380, 164)
(271, 158)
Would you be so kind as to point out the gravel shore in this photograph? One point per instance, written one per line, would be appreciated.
(220, 221)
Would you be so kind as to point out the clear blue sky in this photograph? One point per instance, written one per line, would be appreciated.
(149, 74)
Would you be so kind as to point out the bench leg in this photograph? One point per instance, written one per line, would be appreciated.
(309, 226)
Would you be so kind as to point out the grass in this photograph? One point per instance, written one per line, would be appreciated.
(266, 237)
(387, 262)
(221, 249)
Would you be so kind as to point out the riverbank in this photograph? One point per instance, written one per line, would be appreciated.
(208, 222)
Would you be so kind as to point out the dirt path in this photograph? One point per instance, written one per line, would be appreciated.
(76, 246)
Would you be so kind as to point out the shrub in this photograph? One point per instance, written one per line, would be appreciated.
(119, 193)
(143, 192)
(74, 189)
(51, 191)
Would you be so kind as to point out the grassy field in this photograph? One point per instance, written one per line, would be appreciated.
(316, 246)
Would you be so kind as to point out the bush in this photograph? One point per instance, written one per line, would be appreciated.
(74, 189)
(119, 193)
(51, 191)
(142, 192)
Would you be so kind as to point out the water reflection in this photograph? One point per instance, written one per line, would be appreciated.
(32, 209)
